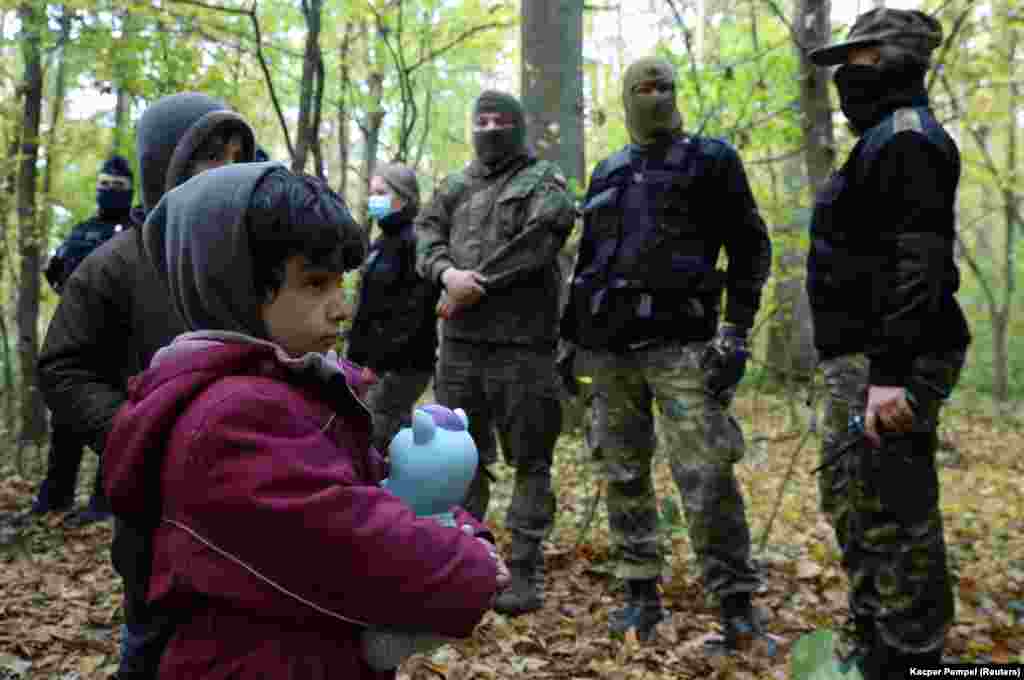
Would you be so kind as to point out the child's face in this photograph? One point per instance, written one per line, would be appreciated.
(303, 316)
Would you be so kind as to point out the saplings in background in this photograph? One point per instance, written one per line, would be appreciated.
(432, 465)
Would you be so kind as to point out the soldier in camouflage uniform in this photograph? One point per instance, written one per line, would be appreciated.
(644, 305)
(491, 236)
(891, 335)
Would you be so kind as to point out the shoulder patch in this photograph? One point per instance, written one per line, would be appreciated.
(907, 119)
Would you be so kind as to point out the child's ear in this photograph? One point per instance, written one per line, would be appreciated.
(422, 427)
(463, 417)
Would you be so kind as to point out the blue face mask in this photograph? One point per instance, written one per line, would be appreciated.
(380, 206)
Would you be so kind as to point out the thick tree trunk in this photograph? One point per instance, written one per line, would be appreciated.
(790, 347)
(552, 81)
(311, 9)
(33, 411)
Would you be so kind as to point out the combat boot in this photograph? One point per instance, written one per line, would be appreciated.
(525, 565)
(643, 610)
(740, 624)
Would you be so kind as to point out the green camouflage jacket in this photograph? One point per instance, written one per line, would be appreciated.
(509, 226)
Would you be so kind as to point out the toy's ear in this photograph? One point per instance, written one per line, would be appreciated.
(463, 417)
(422, 427)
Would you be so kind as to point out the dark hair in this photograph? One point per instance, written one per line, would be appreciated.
(213, 146)
(293, 214)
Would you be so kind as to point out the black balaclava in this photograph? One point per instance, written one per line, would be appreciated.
(650, 118)
(495, 146)
(867, 92)
(116, 203)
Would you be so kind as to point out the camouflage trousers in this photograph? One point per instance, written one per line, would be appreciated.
(511, 389)
(884, 505)
(702, 441)
(391, 401)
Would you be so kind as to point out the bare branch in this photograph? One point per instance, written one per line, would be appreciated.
(269, 79)
(461, 38)
(986, 287)
(213, 7)
(689, 50)
(957, 25)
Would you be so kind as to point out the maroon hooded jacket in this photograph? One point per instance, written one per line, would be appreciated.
(274, 542)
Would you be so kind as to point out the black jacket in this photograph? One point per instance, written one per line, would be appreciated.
(395, 326)
(114, 312)
(84, 238)
(881, 275)
(655, 221)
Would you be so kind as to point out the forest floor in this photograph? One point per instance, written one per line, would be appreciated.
(60, 599)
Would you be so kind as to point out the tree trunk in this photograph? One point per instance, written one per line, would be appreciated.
(790, 347)
(552, 82)
(7, 198)
(33, 412)
(311, 9)
(343, 115)
(120, 140)
(56, 113)
(372, 126)
(1011, 213)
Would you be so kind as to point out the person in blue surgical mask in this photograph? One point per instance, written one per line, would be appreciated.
(394, 331)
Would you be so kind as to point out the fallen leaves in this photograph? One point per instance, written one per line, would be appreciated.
(60, 599)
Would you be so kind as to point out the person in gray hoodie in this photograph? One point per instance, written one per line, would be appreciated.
(113, 316)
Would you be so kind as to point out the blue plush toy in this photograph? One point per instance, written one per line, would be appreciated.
(433, 462)
(432, 466)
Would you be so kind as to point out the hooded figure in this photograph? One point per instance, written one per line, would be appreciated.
(274, 544)
(114, 315)
(651, 114)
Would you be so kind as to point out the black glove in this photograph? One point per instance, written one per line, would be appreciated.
(565, 367)
(725, 359)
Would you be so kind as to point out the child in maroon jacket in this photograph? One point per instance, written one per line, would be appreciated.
(246, 443)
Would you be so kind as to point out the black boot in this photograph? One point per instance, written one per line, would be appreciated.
(642, 612)
(740, 624)
(525, 565)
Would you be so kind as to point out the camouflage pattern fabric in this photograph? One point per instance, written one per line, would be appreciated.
(702, 442)
(508, 225)
(391, 399)
(511, 389)
(884, 505)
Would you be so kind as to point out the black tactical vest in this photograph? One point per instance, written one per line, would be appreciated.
(846, 258)
(650, 274)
